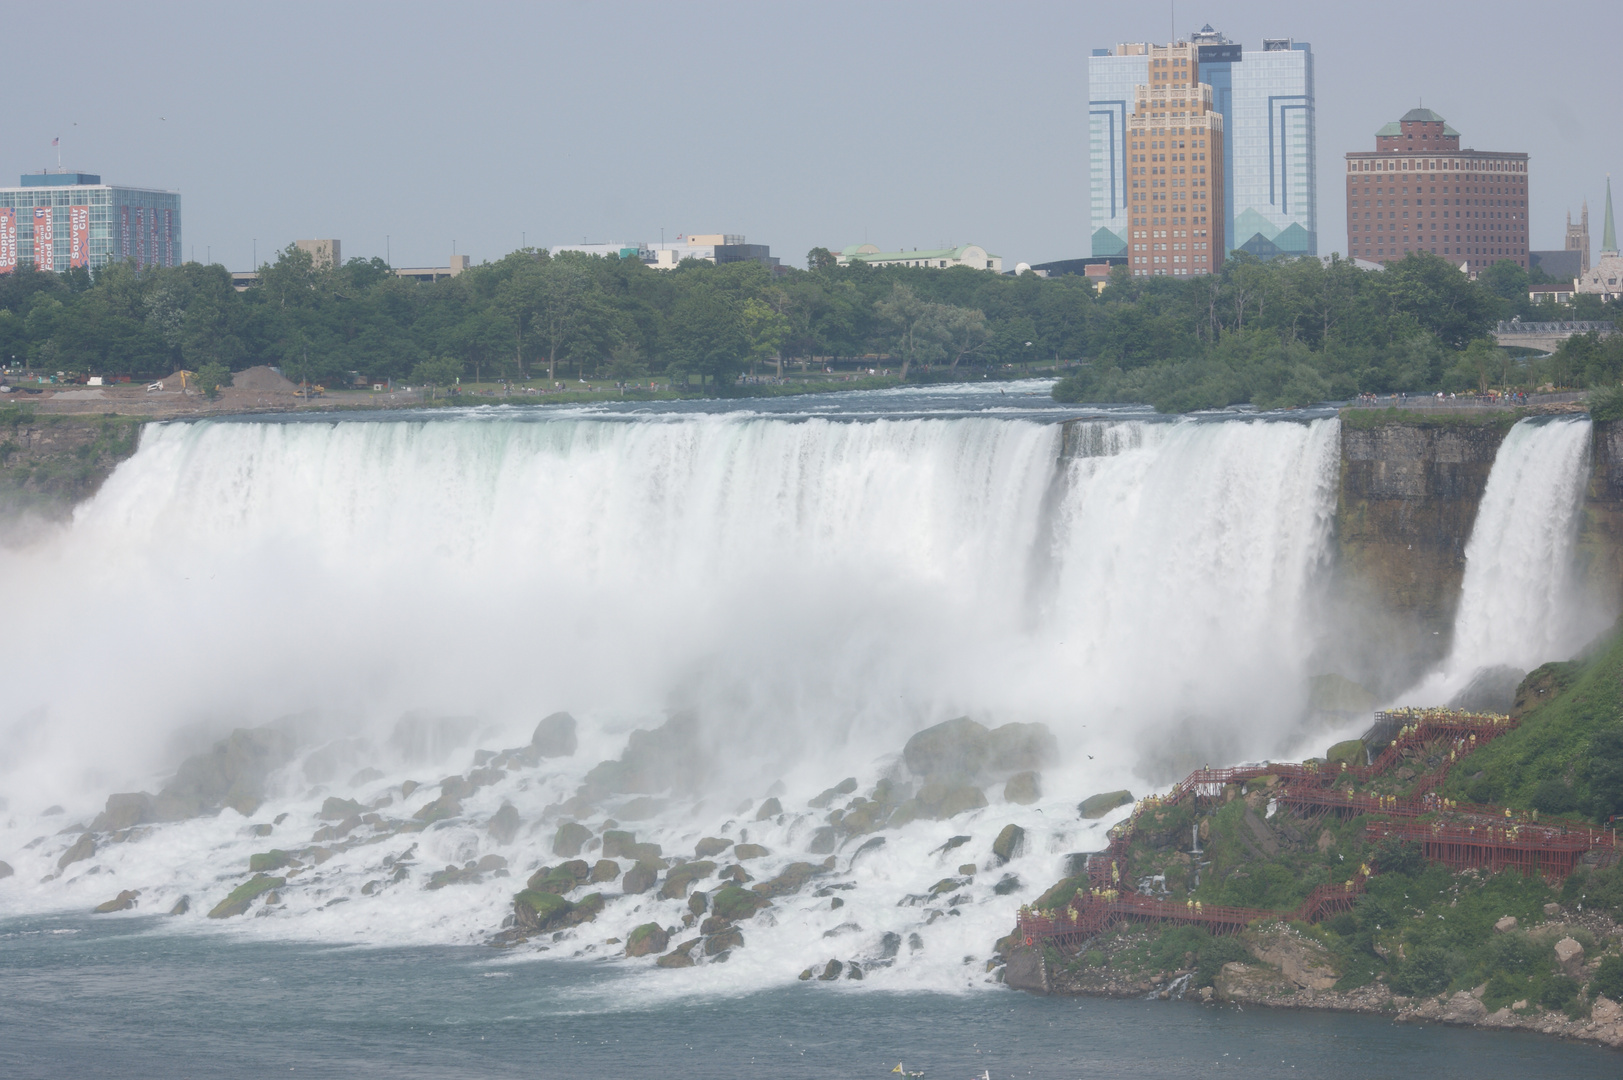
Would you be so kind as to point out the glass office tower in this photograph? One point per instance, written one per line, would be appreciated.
(60, 221)
(1113, 78)
(1266, 98)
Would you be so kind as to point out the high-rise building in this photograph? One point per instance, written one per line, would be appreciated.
(1174, 169)
(1419, 191)
(65, 220)
(1266, 100)
(1578, 238)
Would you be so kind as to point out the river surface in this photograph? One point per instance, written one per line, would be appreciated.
(128, 998)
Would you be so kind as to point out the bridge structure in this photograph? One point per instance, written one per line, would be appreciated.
(1547, 336)
(1458, 835)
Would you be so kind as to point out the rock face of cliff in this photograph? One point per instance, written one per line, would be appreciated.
(1600, 538)
(1408, 498)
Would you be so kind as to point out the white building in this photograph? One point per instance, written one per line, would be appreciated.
(708, 247)
(971, 255)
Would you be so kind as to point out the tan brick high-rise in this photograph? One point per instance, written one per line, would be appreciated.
(1175, 147)
(1418, 191)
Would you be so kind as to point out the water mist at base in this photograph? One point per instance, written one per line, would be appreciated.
(812, 592)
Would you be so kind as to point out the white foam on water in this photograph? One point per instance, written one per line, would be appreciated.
(813, 591)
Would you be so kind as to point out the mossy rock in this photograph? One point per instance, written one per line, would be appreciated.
(735, 904)
(538, 911)
(586, 909)
(1023, 789)
(640, 878)
(83, 848)
(124, 901)
(646, 853)
(742, 852)
(266, 861)
(561, 878)
(1097, 806)
(769, 809)
(681, 877)
(865, 818)
(570, 838)
(454, 875)
(1010, 843)
(245, 894)
(1350, 752)
(604, 870)
(1060, 893)
(679, 957)
(710, 847)
(647, 939)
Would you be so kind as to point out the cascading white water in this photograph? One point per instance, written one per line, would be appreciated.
(1519, 603)
(813, 590)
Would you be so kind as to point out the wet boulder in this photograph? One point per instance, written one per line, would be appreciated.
(864, 816)
(555, 736)
(83, 848)
(769, 809)
(640, 878)
(1023, 788)
(266, 861)
(681, 877)
(1014, 748)
(570, 838)
(6, 870)
(441, 809)
(489, 864)
(647, 939)
(698, 902)
(244, 895)
(336, 809)
(681, 956)
(1007, 884)
(125, 811)
(504, 824)
(1010, 843)
(951, 748)
(941, 799)
(182, 906)
(535, 912)
(666, 758)
(586, 909)
(735, 904)
(124, 901)
(729, 938)
(823, 841)
(454, 875)
(561, 878)
(230, 774)
(710, 846)
(1097, 806)
(604, 870)
(790, 880)
(824, 800)
(742, 852)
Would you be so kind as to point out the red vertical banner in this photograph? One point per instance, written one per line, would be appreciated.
(123, 232)
(44, 239)
(169, 238)
(157, 254)
(78, 236)
(8, 240)
(140, 236)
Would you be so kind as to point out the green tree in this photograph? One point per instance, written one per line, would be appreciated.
(437, 372)
(210, 377)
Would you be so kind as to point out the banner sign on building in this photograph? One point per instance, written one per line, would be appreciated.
(140, 236)
(156, 259)
(123, 232)
(8, 240)
(78, 236)
(168, 238)
(44, 239)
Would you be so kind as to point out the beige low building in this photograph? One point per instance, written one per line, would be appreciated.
(971, 255)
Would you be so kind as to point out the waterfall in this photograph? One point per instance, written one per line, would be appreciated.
(1519, 603)
(813, 590)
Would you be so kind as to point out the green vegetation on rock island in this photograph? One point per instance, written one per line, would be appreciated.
(1422, 941)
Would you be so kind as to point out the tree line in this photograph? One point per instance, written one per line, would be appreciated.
(1276, 333)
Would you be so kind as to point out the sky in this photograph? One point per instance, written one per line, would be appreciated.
(407, 130)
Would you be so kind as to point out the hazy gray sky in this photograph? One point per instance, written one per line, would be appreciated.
(795, 124)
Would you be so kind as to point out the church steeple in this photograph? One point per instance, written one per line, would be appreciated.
(1608, 236)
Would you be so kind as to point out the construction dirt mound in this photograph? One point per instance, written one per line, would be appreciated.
(263, 379)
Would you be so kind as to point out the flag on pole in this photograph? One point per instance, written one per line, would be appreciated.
(56, 141)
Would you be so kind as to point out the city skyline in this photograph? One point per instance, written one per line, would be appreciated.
(409, 133)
